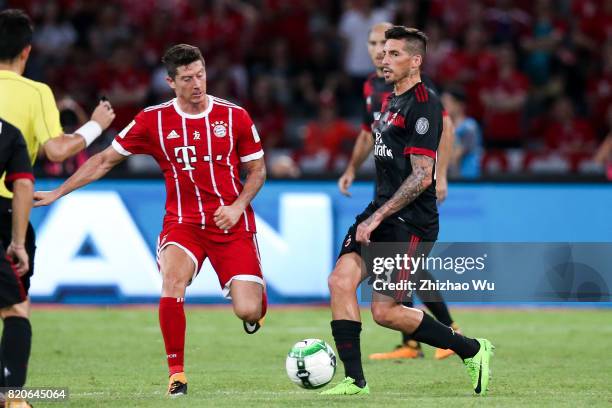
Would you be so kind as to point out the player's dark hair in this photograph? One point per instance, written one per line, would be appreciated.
(179, 55)
(416, 40)
(15, 33)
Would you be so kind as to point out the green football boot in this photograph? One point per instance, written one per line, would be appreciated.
(347, 387)
(478, 367)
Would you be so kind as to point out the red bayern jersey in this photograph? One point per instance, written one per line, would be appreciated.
(199, 156)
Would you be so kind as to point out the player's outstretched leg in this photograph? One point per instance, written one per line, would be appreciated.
(434, 302)
(177, 269)
(407, 349)
(250, 303)
(475, 353)
(346, 324)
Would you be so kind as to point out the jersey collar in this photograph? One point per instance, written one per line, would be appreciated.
(200, 115)
(409, 90)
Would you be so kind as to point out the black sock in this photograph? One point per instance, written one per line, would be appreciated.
(15, 345)
(440, 312)
(434, 301)
(438, 335)
(346, 335)
(406, 337)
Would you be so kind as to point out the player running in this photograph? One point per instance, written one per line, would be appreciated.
(407, 135)
(30, 107)
(14, 262)
(200, 143)
(375, 91)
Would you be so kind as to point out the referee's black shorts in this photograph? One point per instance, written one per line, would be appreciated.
(18, 291)
(390, 230)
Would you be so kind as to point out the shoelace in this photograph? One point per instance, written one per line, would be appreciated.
(175, 385)
(346, 382)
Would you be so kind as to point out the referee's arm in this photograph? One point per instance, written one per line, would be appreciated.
(58, 149)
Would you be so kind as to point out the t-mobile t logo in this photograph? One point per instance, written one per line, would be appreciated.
(185, 155)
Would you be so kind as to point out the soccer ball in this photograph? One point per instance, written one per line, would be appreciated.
(311, 363)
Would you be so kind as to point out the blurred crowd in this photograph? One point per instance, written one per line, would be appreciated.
(535, 75)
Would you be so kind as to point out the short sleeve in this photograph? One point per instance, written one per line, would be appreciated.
(248, 143)
(46, 116)
(134, 138)
(424, 129)
(18, 165)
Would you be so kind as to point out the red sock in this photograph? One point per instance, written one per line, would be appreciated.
(172, 324)
(264, 303)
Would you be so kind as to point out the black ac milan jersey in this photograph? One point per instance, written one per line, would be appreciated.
(14, 158)
(375, 91)
(410, 123)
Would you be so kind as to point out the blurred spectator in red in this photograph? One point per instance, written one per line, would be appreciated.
(74, 77)
(221, 26)
(289, 20)
(503, 99)
(594, 21)
(469, 67)
(327, 140)
(267, 114)
(566, 132)
(123, 83)
(457, 15)
(600, 88)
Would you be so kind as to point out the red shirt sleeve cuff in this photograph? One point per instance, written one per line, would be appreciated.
(10, 178)
(419, 150)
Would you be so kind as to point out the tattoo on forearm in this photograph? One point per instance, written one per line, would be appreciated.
(415, 184)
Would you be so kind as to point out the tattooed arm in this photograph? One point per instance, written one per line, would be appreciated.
(415, 184)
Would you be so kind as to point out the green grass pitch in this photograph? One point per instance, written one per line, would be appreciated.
(115, 358)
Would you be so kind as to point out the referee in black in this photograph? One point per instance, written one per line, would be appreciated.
(14, 262)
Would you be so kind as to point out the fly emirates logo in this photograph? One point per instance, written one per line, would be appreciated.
(381, 149)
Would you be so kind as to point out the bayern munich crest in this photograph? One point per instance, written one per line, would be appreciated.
(219, 128)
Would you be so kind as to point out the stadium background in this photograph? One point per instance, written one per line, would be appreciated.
(298, 67)
(545, 172)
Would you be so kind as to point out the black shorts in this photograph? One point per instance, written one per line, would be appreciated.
(6, 225)
(391, 230)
